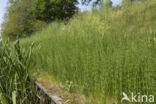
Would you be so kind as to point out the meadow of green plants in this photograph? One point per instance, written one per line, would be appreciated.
(103, 52)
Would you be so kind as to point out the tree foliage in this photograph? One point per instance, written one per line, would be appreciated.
(54, 9)
(86, 2)
(27, 16)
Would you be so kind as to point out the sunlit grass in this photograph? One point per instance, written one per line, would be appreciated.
(103, 53)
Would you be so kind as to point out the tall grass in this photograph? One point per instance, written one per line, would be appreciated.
(16, 87)
(104, 53)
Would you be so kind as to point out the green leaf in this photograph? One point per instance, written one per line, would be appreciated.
(3, 100)
(14, 97)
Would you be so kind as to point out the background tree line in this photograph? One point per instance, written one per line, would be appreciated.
(24, 17)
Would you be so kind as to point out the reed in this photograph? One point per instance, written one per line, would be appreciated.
(16, 87)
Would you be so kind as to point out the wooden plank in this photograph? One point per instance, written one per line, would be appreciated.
(56, 99)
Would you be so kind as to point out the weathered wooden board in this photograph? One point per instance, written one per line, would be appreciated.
(54, 98)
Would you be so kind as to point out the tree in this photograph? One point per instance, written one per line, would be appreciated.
(86, 2)
(18, 19)
(49, 10)
(23, 16)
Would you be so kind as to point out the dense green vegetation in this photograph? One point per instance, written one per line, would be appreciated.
(104, 53)
(25, 17)
(16, 87)
(100, 53)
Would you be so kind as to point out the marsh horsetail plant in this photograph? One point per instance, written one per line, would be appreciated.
(103, 53)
